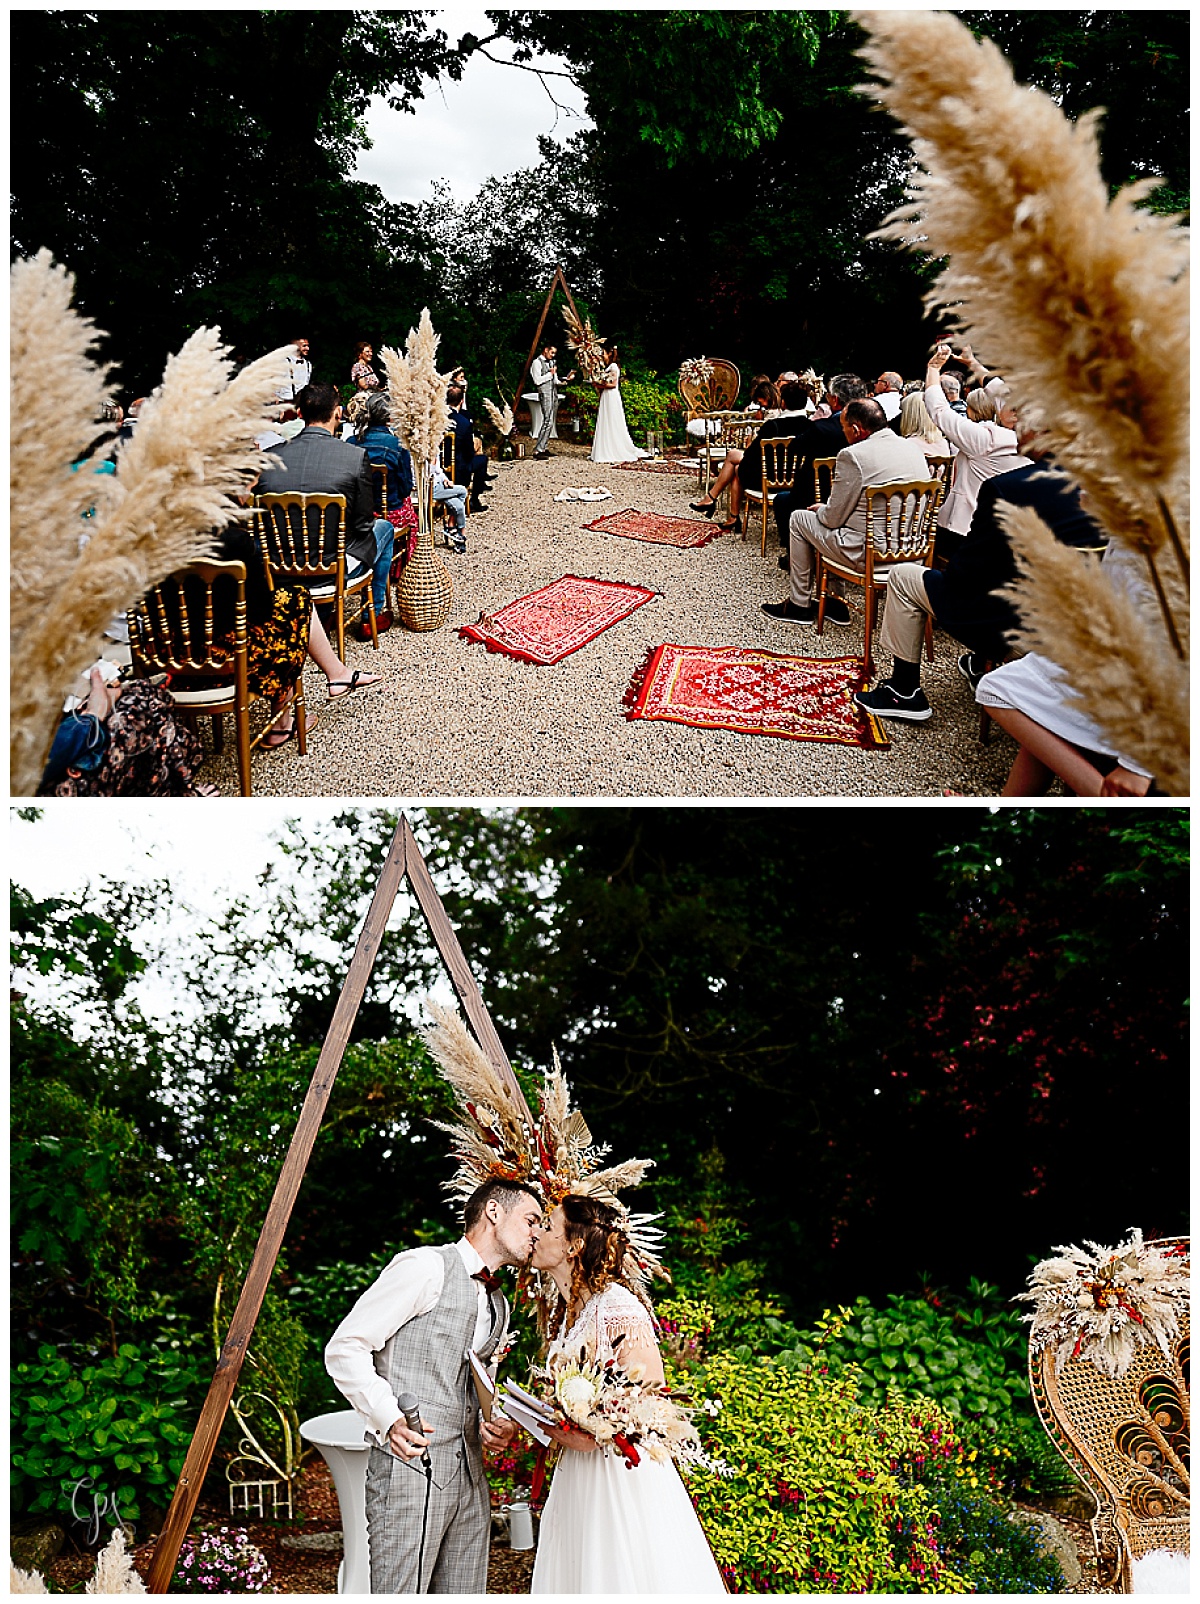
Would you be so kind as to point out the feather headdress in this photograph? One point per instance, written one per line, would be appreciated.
(496, 1137)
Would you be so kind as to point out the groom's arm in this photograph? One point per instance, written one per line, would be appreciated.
(410, 1285)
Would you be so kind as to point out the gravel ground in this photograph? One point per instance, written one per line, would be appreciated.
(455, 720)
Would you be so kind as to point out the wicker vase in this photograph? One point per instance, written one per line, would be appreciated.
(425, 584)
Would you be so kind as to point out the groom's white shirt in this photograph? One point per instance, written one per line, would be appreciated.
(540, 371)
(410, 1285)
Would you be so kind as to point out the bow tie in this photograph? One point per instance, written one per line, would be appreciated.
(491, 1283)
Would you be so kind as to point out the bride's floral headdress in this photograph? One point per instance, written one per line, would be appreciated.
(496, 1137)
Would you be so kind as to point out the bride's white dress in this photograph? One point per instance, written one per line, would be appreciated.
(607, 1528)
(612, 442)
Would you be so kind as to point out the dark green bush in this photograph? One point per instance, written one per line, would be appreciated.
(118, 1428)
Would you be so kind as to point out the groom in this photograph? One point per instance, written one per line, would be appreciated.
(411, 1332)
(544, 373)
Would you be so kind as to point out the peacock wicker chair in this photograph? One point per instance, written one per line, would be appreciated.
(1127, 1439)
(717, 394)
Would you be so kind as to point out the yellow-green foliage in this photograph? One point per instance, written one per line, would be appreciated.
(824, 1495)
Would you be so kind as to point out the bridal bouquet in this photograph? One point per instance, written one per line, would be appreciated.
(622, 1412)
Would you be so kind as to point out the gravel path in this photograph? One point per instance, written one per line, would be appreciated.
(454, 720)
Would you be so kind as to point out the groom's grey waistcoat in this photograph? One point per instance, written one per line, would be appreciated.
(428, 1357)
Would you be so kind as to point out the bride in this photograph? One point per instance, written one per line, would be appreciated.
(607, 1528)
(612, 442)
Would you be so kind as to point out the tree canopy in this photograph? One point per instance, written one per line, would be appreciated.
(195, 167)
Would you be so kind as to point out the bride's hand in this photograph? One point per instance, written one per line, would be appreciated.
(582, 1441)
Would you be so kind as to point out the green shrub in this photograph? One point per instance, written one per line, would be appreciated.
(823, 1493)
(118, 1428)
(649, 404)
(926, 1352)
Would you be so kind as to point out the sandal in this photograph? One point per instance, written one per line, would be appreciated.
(347, 687)
(284, 736)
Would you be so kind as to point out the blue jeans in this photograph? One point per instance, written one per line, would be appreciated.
(456, 497)
(385, 541)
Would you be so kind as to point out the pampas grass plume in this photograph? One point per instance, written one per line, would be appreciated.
(1113, 650)
(502, 420)
(193, 450)
(114, 1568)
(24, 1581)
(1082, 301)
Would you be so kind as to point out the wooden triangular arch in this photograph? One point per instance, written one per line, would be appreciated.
(403, 860)
(559, 281)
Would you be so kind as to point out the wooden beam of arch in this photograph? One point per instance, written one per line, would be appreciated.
(403, 860)
(559, 281)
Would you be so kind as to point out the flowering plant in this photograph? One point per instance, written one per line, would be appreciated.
(1103, 1305)
(221, 1560)
(623, 1411)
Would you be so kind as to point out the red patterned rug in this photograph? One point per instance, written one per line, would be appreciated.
(654, 526)
(755, 693)
(661, 466)
(551, 623)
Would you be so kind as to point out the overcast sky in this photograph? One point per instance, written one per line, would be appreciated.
(484, 126)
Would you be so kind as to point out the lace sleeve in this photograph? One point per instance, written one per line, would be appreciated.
(622, 1316)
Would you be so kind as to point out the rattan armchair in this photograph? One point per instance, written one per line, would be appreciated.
(295, 531)
(901, 528)
(775, 477)
(1127, 1439)
(171, 632)
(718, 393)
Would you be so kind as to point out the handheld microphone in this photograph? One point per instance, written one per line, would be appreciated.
(411, 1410)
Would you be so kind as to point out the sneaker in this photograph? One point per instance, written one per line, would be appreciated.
(885, 702)
(786, 612)
(972, 668)
(457, 546)
(836, 611)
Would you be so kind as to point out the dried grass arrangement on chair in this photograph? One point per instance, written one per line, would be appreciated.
(421, 417)
(70, 572)
(1083, 302)
(1109, 1370)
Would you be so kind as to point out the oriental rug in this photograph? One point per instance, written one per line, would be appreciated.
(661, 465)
(656, 527)
(755, 693)
(551, 623)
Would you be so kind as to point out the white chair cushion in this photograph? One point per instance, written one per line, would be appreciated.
(211, 695)
(1162, 1572)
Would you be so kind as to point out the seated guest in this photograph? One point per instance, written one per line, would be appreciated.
(282, 627)
(742, 470)
(362, 375)
(963, 597)
(822, 438)
(1032, 699)
(887, 392)
(916, 424)
(986, 446)
(952, 389)
(385, 450)
(317, 462)
(764, 397)
(470, 464)
(123, 740)
(451, 498)
(871, 455)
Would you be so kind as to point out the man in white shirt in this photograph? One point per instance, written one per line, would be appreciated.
(887, 392)
(411, 1331)
(838, 528)
(299, 372)
(544, 373)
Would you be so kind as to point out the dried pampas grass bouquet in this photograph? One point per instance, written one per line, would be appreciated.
(1082, 300)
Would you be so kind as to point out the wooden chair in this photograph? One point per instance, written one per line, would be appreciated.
(379, 488)
(774, 479)
(449, 459)
(293, 535)
(737, 430)
(171, 632)
(901, 528)
(1126, 1438)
